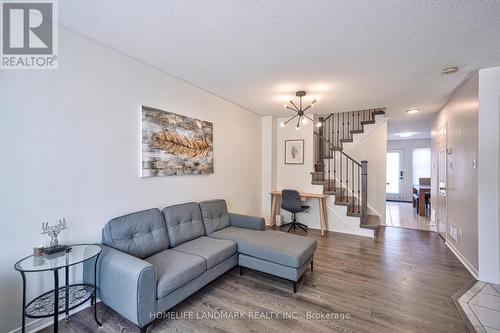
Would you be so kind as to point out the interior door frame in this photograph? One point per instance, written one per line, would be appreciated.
(401, 194)
(442, 145)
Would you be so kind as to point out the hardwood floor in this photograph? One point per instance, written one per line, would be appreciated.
(402, 281)
(403, 215)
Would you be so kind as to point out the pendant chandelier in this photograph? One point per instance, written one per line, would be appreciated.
(301, 116)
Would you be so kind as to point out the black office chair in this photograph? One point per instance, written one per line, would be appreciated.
(290, 201)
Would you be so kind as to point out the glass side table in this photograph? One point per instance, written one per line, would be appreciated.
(67, 297)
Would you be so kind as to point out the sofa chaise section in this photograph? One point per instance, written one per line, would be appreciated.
(276, 253)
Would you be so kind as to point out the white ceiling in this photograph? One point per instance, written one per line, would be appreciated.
(420, 126)
(352, 54)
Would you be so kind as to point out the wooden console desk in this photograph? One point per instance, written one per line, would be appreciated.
(276, 204)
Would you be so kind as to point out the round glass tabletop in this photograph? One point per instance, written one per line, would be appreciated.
(78, 254)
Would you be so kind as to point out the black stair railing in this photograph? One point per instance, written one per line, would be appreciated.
(342, 176)
(340, 173)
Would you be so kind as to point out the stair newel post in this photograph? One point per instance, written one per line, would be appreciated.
(340, 170)
(338, 132)
(320, 149)
(320, 131)
(352, 186)
(343, 129)
(335, 169)
(348, 126)
(353, 126)
(364, 192)
(328, 179)
(347, 178)
(358, 205)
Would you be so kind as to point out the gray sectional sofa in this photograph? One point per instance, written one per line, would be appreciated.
(153, 260)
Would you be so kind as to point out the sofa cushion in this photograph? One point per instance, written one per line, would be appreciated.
(140, 234)
(274, 246)
(214, 251)
(174, 269)
(184, 223)
(215, 216)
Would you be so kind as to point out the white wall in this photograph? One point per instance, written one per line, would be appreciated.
(408, 146)
(268, 164)
(460, 118)
(69, 140)
(294, 175)
(488, 177)
(297, 176)
(373, 148)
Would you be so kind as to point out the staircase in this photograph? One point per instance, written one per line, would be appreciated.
(340, 174)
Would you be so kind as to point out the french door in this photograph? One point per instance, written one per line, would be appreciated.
(395, 175)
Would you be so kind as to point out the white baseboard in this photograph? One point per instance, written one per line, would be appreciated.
(39, 324)
(463, 260)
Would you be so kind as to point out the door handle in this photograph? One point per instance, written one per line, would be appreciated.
(442, 188)
(387, 183)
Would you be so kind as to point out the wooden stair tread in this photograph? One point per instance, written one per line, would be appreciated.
(357, 131)
(366, 122)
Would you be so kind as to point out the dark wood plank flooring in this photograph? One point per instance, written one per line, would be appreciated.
(402, 281)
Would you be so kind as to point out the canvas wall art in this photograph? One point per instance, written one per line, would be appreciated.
(174, 144)
(294, 151)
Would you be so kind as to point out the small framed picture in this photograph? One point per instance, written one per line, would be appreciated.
(294, 151)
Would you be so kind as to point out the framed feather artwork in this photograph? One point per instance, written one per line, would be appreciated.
(174, 145)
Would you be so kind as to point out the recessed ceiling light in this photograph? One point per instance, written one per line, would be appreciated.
(406, 134)
(450, 70)
(413, 111)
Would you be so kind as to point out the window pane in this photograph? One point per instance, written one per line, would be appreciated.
(421, 164)
(392, 175)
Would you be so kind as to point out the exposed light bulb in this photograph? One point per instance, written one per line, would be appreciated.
(304, 120)
(282, 124)
(285, 106)
(319, 124)
(297, 127)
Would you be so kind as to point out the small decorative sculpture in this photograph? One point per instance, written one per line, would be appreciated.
(53, 231)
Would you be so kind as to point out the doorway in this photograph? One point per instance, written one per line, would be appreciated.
(408, 169)
(394, 186)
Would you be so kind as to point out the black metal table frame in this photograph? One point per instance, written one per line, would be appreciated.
(92, 297)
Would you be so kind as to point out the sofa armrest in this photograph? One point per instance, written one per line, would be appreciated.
(247, 221)
(126, 284)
